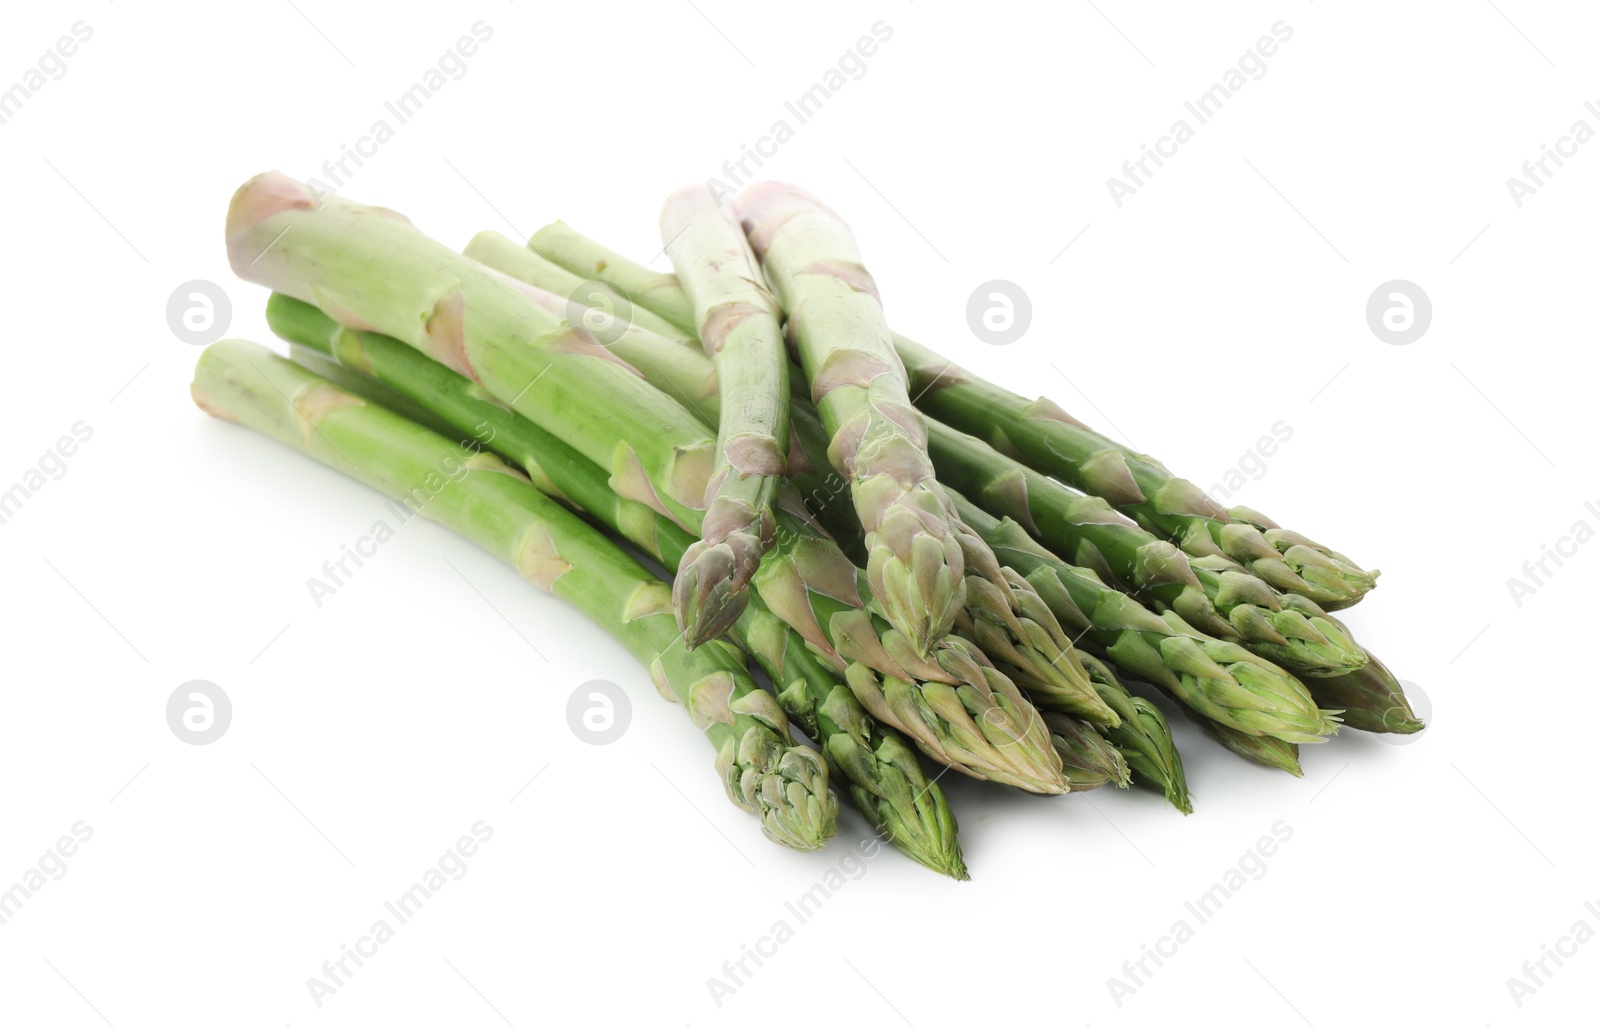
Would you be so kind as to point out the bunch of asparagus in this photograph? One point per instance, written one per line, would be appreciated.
(916, 560)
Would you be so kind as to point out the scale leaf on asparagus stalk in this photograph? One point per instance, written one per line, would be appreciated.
(878, 442)
(482, 498)
(740, 330)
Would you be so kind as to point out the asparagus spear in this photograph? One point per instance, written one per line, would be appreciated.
(1218, 679)
(1053, 442)
(1266, 751)
(764, 772)
(492, 248)
(656, 291)
(680, 369)
(370, 268)
(1208, 593)
(1089, 760)
(1144, 738)
(878, 442)
(738, 321)
(1058, 446)
(1371, 697)
(1004, 739)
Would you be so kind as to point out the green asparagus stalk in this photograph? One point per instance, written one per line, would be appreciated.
(1048, 439)
(656, 291)
(492, 248)
(1206, 592)
(1089, 761)
(1144, 738)
(680, 369)
(1218, 679)
(480, 497)
(836, 324)
(739, 327)
(371, 269)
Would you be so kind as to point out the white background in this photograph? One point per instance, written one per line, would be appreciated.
(1227, 294)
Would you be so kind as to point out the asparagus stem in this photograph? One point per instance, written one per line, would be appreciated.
(836, 324)
(480, 497)
(1053, 442)
(493, 249)
(680, 369)
(656, 291)
(738, 323)
(886, 781)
